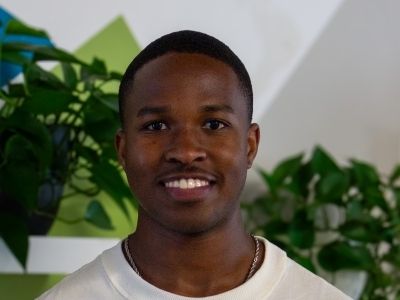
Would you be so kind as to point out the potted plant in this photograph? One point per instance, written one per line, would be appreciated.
(56, 140)
(356, 208)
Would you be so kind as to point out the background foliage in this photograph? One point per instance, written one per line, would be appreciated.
(353, 207)
(55, 132)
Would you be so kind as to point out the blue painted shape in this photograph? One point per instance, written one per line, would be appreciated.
(9, 71)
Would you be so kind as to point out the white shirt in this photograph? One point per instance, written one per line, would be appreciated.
(110, 276)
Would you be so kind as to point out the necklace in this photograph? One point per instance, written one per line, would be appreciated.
(252, 267)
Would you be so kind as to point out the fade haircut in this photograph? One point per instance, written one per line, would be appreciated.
(186, 41)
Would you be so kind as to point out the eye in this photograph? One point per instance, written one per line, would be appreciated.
(214, 125)
(156, 126)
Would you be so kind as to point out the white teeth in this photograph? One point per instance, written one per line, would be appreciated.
(190, 184)
(183, 184)
(186, 183)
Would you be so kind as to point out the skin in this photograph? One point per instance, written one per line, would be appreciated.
(186, 118)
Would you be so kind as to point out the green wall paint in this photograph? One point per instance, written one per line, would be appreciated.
(116, 45)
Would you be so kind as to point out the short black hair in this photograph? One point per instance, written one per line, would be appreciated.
(186, 41)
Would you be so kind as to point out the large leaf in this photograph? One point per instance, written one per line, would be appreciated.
(109, 100)
(287, 168)
(97, 70)
(357, 231)
(275, 227)
(19, 148)
(301, 231)
(46, 101)
(110, 180)
(36, 133)
(70, 78)
(15, 58)
(301, 180)
(322, 163)
(16, 27)
(334, 185)
(340, 255)
(365, 174)
(14, 232)
(96, 215)
(41, 52)
(21, 180)
(35, 75)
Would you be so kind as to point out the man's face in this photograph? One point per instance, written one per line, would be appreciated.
(187, 143)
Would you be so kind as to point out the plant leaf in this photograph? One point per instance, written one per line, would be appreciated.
(322, 163)
(109, 179)
(36, 133)
(42, 52)
(35, 75)
(301, 231)
(334, 185)
(46, 101)
(287, 168)
(340, 255)
(96, 215)
(357, 231)
(16, 27)
(70, 77)
(275, 227)
(365, 174)
(14, 232)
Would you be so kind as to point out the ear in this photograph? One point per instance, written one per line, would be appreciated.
(253, 139)
(119, 142)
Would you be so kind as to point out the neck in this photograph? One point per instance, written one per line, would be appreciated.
(195, 265)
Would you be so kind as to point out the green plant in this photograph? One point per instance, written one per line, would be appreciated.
(353, 206)
(55, 132)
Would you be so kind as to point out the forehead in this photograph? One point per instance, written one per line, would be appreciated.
(191, 76)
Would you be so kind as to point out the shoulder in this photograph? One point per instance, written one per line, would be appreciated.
(89, 282)
(296, 282)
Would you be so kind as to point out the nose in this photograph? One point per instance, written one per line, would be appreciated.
(185, 148)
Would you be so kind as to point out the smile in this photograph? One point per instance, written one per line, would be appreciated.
(184, 183)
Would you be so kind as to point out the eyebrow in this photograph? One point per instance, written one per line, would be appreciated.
(217, 108)
(152, 110)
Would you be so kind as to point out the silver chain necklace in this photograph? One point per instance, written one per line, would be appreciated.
(251, 272)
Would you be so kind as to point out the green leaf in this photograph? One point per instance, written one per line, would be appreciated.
(116, 76)
(365, 174)
(268, 179)
(395, 174)
(301, 180)
(96, 215)
(97, 70)
(275, 227)
(15, 58)
(334, 185)
(21, 180)
(109, 179)
(340, 255)
(70, 78)
(301, 231)
(354, 210)
(16, 27)
(374, 197)
(357, 231)
(322, 163)
(14, 232)
(42, 52)
(45, 101)
(19, 148)
(17, 90)
(286, 169)
(109, 100)
(36, 133)
(87, 153)
(35, 75)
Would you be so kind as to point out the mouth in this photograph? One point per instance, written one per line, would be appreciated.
(186, 183)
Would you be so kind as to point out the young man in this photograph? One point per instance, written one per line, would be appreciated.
(186, 143)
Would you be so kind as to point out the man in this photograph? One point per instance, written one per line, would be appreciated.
(186, 143)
